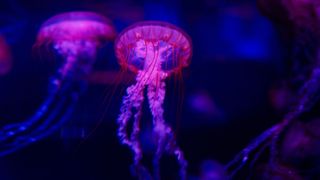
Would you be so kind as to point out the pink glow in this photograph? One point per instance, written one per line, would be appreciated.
(154, 34)
(76, 26)
(153, 50)
(5, 57)
(76, 37)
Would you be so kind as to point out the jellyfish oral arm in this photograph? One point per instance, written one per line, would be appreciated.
(64, 90)
(165, 136)
(52, 119)
(133, 99)
(153, 78)
(79, 55)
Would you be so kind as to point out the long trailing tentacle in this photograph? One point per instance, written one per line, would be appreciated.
(64, 89)
(165, 136)
(133, 102)
(133, 99)
(54, 120)
(49, 117)
(153, 77)
(16, 129)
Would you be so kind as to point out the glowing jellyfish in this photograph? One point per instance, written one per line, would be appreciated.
(154, 51)
(5, 57)
(75, 36)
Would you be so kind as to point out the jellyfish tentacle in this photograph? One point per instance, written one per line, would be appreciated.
(38, 128)
(165, 136)
(136, 130)
(133, 101)
(136, 145)
(65, 101)
(156, 97)
(134, 97)
(12, 130)
(146, 49)
(124, 117)
(63, 109)
(21, 142)
(137, 105)
(50, 117)
(67, 75)
(66, 83)
(15, 129)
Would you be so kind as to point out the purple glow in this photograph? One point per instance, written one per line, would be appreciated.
(153, 50)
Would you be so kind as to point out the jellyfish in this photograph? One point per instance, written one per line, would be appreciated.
(153, 51)
(5, 57)
(75, 37)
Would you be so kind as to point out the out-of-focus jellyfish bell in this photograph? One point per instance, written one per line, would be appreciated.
(75, 36)
(5, 57)
(153, 50)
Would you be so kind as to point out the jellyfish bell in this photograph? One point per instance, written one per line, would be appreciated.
(5, 57)
(153, 50)
(153, 42)
(81, 26)
(76, 36)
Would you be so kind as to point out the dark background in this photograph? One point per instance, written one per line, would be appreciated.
(229, 91)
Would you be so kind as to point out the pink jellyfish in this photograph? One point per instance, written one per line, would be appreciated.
(153, 50)
(75, 36)
(5, 57)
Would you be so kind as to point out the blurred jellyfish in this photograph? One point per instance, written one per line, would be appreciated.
(153, 50)
(75, 37)
(5, 57)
